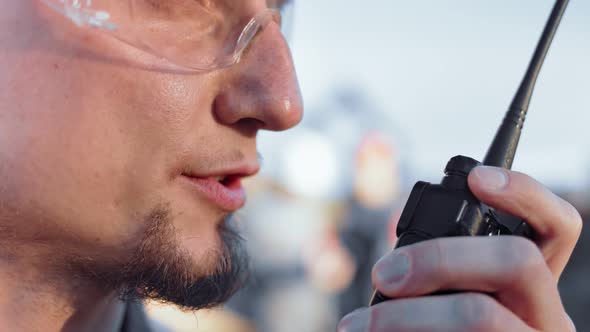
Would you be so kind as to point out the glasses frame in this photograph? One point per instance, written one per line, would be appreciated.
(81, 13)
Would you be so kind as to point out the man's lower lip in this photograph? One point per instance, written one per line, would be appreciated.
(229, 196)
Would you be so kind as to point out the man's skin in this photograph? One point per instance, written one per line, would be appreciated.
(96, 135)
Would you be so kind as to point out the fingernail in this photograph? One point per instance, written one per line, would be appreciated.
(392, 268)
(357, 321)
(491, 178)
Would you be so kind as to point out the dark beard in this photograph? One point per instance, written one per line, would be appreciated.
(161, 270)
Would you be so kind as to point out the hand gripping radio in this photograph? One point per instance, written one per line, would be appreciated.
(449, 208)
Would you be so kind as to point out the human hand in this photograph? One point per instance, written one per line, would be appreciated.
(508, 283)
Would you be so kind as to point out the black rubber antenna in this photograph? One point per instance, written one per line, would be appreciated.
(501, 152)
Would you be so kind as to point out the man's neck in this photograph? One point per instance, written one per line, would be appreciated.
(37, 299)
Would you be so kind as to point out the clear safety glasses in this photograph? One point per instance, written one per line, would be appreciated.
(200, 35)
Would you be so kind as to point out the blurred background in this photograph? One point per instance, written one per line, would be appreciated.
(393, 89)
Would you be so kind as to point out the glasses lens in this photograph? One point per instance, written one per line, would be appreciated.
(197, 34)
(200, 34)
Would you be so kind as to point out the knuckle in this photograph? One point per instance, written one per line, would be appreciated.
(574, 219)
(421, 261)
(477, 312)
(428, 258)
(434, 259)
(521, 252)
(520, 181)
(521, 259)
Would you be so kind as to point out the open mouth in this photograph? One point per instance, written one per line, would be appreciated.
(225, 191)
(225, 180)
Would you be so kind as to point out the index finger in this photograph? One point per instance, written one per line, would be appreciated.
(556, 222)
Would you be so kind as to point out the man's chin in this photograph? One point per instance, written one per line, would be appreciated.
(161, 269)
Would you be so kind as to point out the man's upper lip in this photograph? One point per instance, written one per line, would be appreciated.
(242, 170)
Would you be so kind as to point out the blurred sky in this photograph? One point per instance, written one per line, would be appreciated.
(445, 71)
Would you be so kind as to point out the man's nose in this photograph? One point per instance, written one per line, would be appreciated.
(262, 88)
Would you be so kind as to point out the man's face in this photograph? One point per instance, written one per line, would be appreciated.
(109, 157)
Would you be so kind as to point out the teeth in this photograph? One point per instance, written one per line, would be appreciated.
(219, 178)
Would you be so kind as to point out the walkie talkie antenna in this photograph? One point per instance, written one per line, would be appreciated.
(501, 152)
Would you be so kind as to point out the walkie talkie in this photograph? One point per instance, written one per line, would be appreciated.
(450, 208)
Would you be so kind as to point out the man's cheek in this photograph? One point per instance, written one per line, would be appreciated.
(71, 179)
